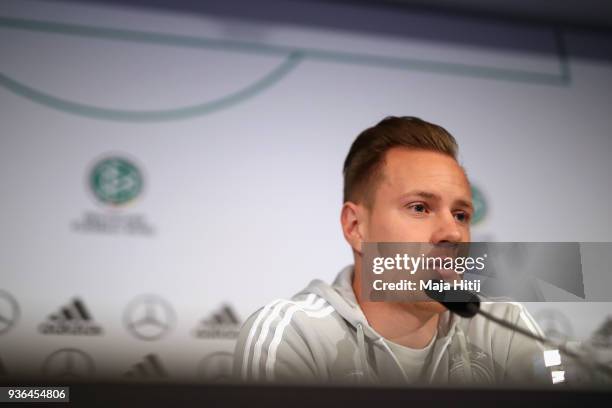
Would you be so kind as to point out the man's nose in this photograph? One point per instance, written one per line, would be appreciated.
(446, 229)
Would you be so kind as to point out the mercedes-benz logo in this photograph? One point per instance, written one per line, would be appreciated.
(9, 311)
(149, 317)
(68, 363)
(216, 367)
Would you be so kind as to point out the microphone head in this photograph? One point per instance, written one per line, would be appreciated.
(461, 302)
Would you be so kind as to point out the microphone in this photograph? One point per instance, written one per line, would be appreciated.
(460, 302)
(466, 304)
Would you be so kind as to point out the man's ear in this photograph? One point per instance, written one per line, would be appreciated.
(353, 221)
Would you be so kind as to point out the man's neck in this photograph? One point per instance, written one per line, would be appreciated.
(405, 323)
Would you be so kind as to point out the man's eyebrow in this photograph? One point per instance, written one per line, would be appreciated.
(464, 203)
(420, 193)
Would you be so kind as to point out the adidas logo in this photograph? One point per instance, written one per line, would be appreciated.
(72, 319)
(150, 368)
(221, 324)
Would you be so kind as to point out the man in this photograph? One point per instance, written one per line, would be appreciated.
(402, 183)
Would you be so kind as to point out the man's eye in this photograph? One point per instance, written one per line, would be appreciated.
(420, 208)
(462, 217)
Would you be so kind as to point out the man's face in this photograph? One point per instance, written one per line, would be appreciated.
(423, 196)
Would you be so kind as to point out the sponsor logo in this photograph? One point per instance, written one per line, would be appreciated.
(68, 363)
(149, 317)
(72, 319)
(149, 368)
(221, 324)
(481, 365)
(115, 182)
(9, 311)
(216, 367)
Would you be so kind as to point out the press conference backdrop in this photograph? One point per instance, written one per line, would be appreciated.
(165, 174)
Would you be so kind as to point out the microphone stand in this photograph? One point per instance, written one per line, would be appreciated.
(579, 358)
